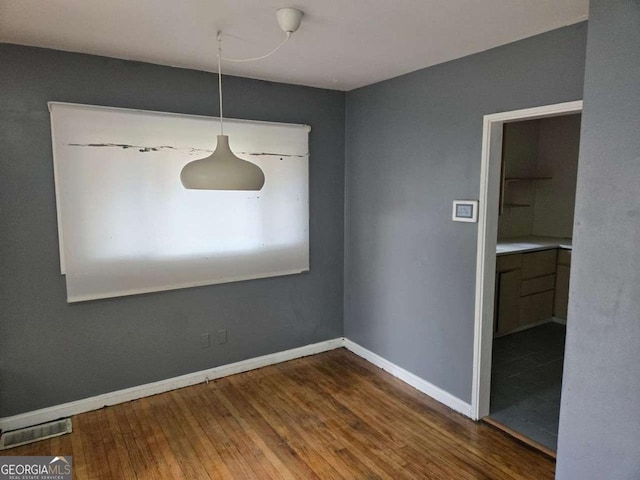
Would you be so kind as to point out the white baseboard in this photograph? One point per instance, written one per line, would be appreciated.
(120, 396)
(418, 383)
(112, 398)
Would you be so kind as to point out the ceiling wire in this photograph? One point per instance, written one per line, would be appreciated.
(238, 60)
(219, 37)
(220, 58)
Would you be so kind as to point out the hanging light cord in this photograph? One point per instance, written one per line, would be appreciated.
(238, 60)
(220, 58)
(220, 79)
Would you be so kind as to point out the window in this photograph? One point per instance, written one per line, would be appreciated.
(126, 225)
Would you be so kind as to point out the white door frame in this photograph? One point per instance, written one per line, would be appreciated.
(487, 234)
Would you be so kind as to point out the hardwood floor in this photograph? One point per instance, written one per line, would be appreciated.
(328, 416)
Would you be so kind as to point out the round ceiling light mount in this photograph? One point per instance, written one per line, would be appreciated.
(289, 19)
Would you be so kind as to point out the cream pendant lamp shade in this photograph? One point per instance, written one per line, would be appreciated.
(222, 170)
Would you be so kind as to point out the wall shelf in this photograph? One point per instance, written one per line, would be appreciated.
(525, 179)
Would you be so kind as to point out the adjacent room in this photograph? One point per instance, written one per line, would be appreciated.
(539, 168)
(320, 240)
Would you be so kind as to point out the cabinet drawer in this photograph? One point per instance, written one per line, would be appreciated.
(537, 285)
(536, 308)
(508, 305)
(537, 264)
(564, 257)
(504, 263)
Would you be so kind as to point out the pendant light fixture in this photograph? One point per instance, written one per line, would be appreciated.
(223, 170)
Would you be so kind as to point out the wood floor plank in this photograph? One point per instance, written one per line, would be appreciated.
(390, 429)
(245, 455)
(80, 465)
(288, 427)
(121, 452)
(402, 422)
(95, 452)
(340, 419)
(263, 456)
(145, 459)
(392, 446)
(160, 440)
(61, 446)
(361, 435)
(292, 448)
(268, 442)
(180, 444)
(451, 425)
(220, 444)
(211, 459)
(327, 416)
(313, 429)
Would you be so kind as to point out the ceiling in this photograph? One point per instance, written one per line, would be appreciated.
(341, 44)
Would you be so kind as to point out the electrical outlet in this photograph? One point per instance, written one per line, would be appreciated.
(222, 336)
(205, 342)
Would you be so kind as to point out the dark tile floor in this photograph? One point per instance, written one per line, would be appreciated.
(526, 379)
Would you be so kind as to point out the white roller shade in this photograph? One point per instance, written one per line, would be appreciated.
(126, 225)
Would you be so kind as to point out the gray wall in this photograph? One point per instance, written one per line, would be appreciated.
(520, 157)
(52, 352)
(600, 413)
(413, 146)
(558, 147)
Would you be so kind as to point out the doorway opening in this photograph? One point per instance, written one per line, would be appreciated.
(527, 197)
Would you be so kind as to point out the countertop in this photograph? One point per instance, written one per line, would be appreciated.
(530, 244)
